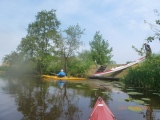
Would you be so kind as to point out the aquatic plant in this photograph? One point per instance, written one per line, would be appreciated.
(79, 86)
(156, 93)
(128, 99)
(145, 75)
(148, 99)
(134, 93)
(106, 93)
(95, 89)
(135, 108)
(138, 101)
(130, 89)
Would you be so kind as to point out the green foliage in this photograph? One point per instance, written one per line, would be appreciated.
(15, 64)
(41, 38)
(140, 51)
(44, 50)
(150, 38)
(100, 50)
(78, 67)
(112, 62)
(86, 56)
(12, 59)
(155, 28)
(146, 74)
(3, 68)
(68, 45)
(28, 47)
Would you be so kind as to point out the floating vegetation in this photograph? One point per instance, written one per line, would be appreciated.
(79, 86)
(139, 101)
(121, 84)
(135, 108)
(95, 89)
(151, 90)
(105, 93)
(130, 89)
(146, 104)
(156, 93)
(128, 99)
(84, 84)
(117, 85)
(132, 93)
(139, 93)
(147, 99)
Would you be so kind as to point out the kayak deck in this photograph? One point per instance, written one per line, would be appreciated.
(101, 111)
(62, 78)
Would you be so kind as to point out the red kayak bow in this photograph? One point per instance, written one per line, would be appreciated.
(101, 111)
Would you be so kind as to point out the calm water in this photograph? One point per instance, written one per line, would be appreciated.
(30, 98)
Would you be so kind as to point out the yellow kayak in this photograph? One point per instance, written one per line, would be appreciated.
(62, 78)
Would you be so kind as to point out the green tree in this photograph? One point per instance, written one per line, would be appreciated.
(85, 55)
(100, 50)
(12, 59)
(28, 47)
(80, 65)
(70, 44)
(16, 65)
(41, 38)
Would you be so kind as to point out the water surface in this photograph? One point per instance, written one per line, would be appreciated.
(30, 98)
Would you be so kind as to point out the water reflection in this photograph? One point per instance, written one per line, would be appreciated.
(30, 98)
(38, 100)
(61, 83)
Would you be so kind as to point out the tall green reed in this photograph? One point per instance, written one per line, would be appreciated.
(145, 74)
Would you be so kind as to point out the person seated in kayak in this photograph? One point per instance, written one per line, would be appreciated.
(148, 50)
(61, 74)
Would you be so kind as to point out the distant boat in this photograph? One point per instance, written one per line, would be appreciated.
(45, 77)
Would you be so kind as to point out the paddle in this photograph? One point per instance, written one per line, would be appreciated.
(53, 74)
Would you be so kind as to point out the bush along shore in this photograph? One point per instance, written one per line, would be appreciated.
(146, 75)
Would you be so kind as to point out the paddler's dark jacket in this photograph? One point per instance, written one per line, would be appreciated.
(148, 48)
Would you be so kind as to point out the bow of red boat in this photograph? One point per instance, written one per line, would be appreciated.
(101, 111)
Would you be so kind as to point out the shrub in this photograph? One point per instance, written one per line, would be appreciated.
(146, 74)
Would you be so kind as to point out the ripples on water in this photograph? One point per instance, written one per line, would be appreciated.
(29, 98)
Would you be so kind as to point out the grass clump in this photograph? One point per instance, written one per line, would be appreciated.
(145, 75)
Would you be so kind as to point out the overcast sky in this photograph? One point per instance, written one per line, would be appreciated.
(121, 22)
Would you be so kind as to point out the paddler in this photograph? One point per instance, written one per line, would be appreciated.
(61, 73)
(148, 50)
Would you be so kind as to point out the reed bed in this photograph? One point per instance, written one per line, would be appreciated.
(146, 75)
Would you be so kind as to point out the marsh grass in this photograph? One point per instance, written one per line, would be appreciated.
(146, 75)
